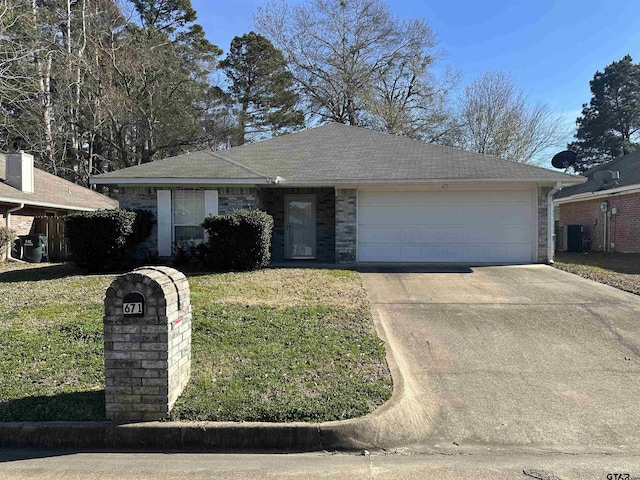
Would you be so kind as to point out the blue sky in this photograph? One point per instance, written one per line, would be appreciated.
(551, 48)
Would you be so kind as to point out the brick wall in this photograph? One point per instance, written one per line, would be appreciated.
(624, 227)
(542, 224)
(22, 220)
(145, 198)
(272, 201)
(233, 198)
(346, 225)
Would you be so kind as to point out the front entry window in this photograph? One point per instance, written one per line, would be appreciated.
(300, 226)
(188, 214)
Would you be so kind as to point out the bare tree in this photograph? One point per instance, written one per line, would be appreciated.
(12, 51)
(18, 87)
(354, 62)
(495, 119)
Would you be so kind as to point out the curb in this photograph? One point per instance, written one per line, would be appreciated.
(178, 436)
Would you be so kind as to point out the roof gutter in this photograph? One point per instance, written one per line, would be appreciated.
(323, 183)
(182, 181)
(51, 205)
(8, 222)
(581, 197)
(550, 222)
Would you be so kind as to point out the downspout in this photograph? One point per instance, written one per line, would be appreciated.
(550, 222)
(605, 240)
(8, 222)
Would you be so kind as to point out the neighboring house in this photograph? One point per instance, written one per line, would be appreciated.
(347, 194)
(607, 206)
(27, 192)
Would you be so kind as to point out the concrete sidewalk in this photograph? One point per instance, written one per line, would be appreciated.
(72, 465)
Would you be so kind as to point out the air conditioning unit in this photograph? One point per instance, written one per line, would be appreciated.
(574, 238)
(561, 238)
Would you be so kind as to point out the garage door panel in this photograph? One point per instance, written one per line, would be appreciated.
(518, 234)
(446, 226)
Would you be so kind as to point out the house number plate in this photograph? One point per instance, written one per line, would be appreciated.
(132, 308)
(133, 305)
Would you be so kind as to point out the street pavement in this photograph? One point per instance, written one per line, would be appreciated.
(69, 465)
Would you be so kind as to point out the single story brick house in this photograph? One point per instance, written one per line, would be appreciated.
(27, 192)
(607, 206)
(346, 194)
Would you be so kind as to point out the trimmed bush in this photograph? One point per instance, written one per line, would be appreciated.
(7, 236)
(103, 240)
(238, 241)
(142, 226)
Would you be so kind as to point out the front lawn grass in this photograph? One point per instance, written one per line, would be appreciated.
(273, 345)
(619, 270)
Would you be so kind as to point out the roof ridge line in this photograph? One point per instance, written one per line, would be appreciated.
(237, 164)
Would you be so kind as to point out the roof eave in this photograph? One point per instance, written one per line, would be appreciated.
(177, 181)
(58, 206)
(581, 197)
(265, 181)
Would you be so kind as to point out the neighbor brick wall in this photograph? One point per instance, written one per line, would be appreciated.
(272, 201)
(346, 225)
(542, 224)
(22, 220)
(624, 227)
(21, 223)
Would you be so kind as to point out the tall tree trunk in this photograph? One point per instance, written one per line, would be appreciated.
(43, 60)
(44, 69)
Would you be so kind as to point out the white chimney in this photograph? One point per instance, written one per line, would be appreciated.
(20, 171)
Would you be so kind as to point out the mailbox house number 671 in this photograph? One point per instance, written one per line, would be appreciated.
(133, 304)
(132, 308)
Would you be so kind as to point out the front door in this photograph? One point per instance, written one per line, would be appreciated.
(300, 226)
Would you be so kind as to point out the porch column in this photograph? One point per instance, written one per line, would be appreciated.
(542, 224)
(346, 225)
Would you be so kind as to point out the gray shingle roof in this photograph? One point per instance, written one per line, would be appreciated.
(628, 166)
(202, 164)
(54, 191)
(337, 153)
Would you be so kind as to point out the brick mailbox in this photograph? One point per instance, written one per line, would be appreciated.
(147, 343)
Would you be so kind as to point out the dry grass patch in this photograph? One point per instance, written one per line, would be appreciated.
(619, 270)
(282, 288)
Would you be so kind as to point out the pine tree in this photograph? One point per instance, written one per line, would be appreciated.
(261, 87)
(609, 125)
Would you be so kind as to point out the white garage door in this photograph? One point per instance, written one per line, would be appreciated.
(446, 226)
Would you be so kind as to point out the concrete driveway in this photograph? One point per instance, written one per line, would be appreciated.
(510, 357)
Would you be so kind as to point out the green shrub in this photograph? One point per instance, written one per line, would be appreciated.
(101, 241)
(151, 257)
(7, 236)
(239, 241)
(181, 255)
(142, 226)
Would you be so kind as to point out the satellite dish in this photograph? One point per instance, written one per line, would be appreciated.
(564, 159)
(606, 176)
